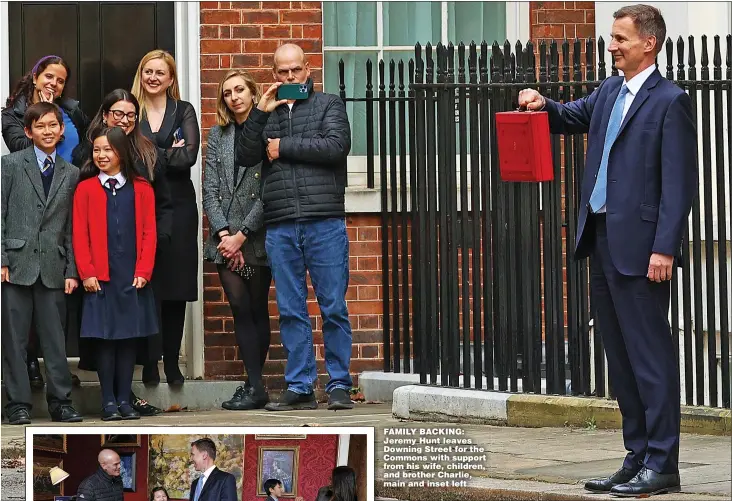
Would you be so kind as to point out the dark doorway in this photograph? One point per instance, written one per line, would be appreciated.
(103, 42)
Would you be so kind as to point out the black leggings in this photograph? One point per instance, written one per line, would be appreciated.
(172, 320)
(249, 306)
(115, 366)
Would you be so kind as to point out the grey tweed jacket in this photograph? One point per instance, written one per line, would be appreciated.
(229, 202)
(36, 230)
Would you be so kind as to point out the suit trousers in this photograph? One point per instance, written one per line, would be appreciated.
(632, 316)
(46, 309)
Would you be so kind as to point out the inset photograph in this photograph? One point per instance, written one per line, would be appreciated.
(200, 464)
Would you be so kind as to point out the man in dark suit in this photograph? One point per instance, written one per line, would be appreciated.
(213, 484)
(640, 179)
(274, 489)
(37, 264)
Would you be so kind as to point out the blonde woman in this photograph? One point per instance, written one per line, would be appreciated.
(231, 199)
(171, 124)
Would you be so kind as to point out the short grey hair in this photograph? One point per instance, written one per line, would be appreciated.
(647, 19)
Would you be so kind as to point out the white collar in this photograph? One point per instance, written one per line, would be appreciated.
(103, 178)
(207, 473)
(635, 83)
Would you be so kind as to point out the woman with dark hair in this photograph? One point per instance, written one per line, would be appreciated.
(171, 124)
(114, 240)
(46, 82)
(159, 494)
(343, 483)
(121, 109)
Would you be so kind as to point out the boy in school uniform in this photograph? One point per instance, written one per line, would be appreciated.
(37, 264)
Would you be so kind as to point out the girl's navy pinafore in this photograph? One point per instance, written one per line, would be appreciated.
(119, 310)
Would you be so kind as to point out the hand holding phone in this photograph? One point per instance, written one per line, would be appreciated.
(178, 140)
(292, 91)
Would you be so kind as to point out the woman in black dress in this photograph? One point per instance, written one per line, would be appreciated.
(171, 124)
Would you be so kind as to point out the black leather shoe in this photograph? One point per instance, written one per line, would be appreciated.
(292, 401)
(19, 416)
(648, 483)
(605, 484)
(339, 399)
(65, 414)
(34, 373)
(143, 406)
(150, 374)
(173, 375)
(127, 412)
(245, 399)
(110, 412)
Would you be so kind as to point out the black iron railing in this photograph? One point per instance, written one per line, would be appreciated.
(480, 288)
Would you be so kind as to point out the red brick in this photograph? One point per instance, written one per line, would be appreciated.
(367, 233)
(360, 365)
(225, 61)
(259, 17)
(311, 5)
(297, 31)
(219, 368)
(585, 30)
(352, 293)
(247, 61)
(208, 105)
(220, 46)
(209, 32)
(548, 31)
(209, 90)
(246, 31)
(315, 60)
(208, 121)
(246, 5)
(214, 353)
(219, 339)
(225, 5)
(277, 31)
(365, 248)
(590, 16)
(301, 16)
(585, 5)
(213, 295)
(209, 5)
(368, 292)
(365, 307)
(212, 76)
(276, 5)
(260, 46)
(296, 5)
(549, 5)
(220, 17)
(213, 324)
(370, 351)
(366, 278)
(224, 32)
(565, 16)
(312, 31)
(209, 62)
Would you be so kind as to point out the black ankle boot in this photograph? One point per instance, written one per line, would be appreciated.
(150, 374)
(173, 374)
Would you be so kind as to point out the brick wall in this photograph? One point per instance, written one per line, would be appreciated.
(559, 20)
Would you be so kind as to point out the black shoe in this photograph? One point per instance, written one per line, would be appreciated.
(34, 373)
(110, 412)
(245, 399)
(174, 376)
(292, 401)
(648, 483)
(127, 412)
(150, 374)
(143, 407)
(66, 414)
(338, 399)
(19, 416)
(605, 484)
(75, 381)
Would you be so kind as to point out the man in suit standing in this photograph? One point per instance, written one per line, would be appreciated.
(37, 264)
(638, 187)
(274, 489)
(213, 484)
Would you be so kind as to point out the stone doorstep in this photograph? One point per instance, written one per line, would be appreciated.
(430, 403)
(194, 395)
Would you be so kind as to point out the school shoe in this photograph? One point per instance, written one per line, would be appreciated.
(143, 406)
(292, 401)
(34, 373)
(65, 414)
(648, 483)
(110, 412)
(247, 398)
(605, 484)
(127, 412)
(338, 399)
(19, 416)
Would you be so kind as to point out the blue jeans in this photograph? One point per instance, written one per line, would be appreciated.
(319, 246)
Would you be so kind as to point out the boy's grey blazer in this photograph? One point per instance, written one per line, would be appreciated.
(233, 203)
(36, 231)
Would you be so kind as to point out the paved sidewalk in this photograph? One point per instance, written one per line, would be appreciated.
(522, 463)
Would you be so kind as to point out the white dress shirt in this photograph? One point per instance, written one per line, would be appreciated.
(103, 178)
(205, 476)
(41, 156)
(634, 86)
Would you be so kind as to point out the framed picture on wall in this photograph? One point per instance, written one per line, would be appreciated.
(128, 470)
(280, 463)
(50, 443)
(120, 440)
(43, 490)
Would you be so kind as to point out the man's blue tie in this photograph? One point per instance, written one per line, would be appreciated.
(199, 486)
(599, 193)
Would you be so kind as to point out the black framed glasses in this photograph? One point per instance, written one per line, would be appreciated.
(119, 115)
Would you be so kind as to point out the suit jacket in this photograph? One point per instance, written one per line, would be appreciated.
(36, 230)
(90, 229)
(652, 174)
(229, 202)
(220, 486)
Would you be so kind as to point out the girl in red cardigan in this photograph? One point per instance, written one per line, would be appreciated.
(114, 239)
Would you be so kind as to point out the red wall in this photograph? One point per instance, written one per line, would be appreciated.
(81, 461)
(318, 454)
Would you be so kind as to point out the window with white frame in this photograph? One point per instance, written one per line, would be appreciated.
(359, 31)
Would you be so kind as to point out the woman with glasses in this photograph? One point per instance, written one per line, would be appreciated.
(171, 125)
(121, 109)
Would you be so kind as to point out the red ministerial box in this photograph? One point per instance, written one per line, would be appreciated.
(524, 148)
